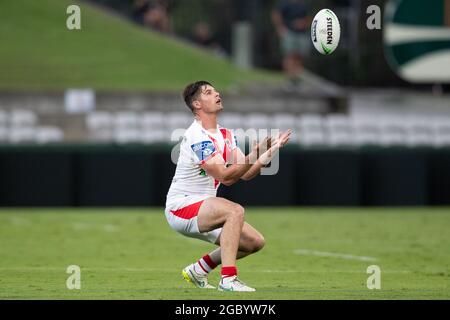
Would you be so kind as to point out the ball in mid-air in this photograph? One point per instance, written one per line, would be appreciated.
(325, 31)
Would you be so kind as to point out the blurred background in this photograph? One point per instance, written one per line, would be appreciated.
(86, 115)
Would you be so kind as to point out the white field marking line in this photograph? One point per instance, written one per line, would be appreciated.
(17, 221)
(78, 226)
(177, 270)
(86, 269)
(327, 271)
(308, 252)
(110, 228)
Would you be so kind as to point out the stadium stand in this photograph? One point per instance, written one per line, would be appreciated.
(154, 126)
(339, 130)
(366, 131)
(23, 126)
(99, 125)
(419, 131)
(232, 120)
(441, 128)
(49, 134)
(311, 130)
(256, 121)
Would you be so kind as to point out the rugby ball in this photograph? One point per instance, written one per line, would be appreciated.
(325, 31)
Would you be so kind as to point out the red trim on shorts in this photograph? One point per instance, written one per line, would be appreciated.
(189, 211)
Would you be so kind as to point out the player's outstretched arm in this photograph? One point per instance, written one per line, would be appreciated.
(216, 168)
(259, 157)
(267, 150)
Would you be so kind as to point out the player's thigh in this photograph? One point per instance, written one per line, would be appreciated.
(214, 212)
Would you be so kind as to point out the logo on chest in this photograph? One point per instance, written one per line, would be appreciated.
(203, 149)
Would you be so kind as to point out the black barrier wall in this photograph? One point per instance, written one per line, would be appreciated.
(140, 176)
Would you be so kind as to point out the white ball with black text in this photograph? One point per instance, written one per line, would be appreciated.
(325, 31)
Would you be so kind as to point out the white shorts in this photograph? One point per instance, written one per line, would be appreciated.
(181, 214)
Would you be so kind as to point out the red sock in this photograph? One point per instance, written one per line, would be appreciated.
(229, 271)
(205, 265)
(211, 264)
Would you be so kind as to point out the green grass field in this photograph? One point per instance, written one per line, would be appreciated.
(108, 53)
(310, 254)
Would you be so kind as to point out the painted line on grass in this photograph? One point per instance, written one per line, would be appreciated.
(308, 252)
(176, 270)
(81, 226)
(327, 271)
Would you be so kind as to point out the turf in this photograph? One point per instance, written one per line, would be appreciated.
(108, 53)
(133, 254)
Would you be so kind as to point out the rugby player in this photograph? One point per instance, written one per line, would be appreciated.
(209, 156)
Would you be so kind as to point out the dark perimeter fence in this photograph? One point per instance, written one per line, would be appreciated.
(108, 175)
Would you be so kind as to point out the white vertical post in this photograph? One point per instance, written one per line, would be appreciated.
(242, 45)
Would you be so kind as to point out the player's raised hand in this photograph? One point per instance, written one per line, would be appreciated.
(264, 145)
(259, 148)
(284, 137)
(276, 144)
(281, 140)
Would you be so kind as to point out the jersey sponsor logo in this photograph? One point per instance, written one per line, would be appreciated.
(203, 149)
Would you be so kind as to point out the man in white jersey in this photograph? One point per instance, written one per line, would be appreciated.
(208, 157)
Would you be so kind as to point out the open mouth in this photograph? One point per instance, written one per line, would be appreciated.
(219, 100)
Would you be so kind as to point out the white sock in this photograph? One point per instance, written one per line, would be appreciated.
(201, 267)
(226, 279)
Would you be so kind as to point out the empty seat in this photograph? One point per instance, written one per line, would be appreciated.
(367, 131)
(420, 131)
(256, 121)
(25, 118)
(3, 134)
(127, 135)
(283, 121)
(312, 138)
(178, 120)
(152, 120)
(100, 126)
(154, 136)
(339, 130)
(441, 132)
(103, 135)
(310, 121)
(22, 134)
(48, 134)
(126, 119)
(393, 131)
(3, 118)
(99, 120)
(311, 130)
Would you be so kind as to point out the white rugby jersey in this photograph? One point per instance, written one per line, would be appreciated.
(197, 146)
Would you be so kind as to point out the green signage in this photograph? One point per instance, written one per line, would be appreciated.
(417, 39)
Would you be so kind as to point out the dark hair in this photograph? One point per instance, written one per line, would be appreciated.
(191, 91)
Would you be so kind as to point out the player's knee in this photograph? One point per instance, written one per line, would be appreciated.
(258, 243)
(238, 212)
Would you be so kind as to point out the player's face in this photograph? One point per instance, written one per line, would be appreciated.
(210, 99)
